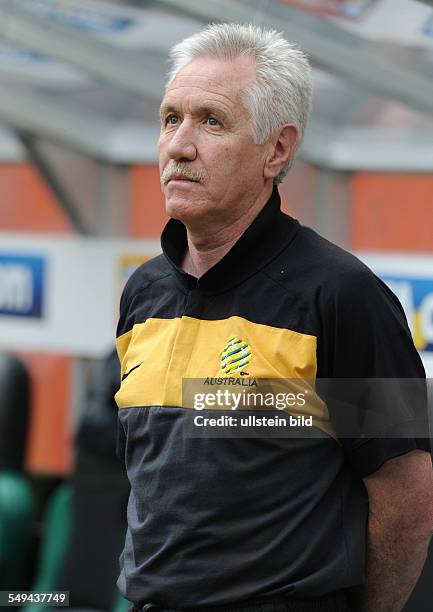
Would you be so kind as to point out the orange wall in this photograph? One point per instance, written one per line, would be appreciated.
(27, 204)
(392, 212)
(49, 447)
(148, 215)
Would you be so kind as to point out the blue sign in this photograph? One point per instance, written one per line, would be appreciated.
(21, 285)
(416, 296)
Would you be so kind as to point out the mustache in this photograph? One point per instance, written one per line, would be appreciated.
(175, 169)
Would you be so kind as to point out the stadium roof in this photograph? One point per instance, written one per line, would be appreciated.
(89, 75)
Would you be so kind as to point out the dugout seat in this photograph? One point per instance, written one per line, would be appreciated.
(16, 498)
(16, 520)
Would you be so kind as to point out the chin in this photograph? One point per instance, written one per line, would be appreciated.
(183, 209)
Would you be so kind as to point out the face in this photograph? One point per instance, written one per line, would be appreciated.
(210, 166)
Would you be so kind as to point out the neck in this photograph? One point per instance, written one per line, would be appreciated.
(210, 242)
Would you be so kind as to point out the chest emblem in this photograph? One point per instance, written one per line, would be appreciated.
(235, 356)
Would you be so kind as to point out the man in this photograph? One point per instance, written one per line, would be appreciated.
(244, 523)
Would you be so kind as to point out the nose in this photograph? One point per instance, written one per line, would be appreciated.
(182, 143)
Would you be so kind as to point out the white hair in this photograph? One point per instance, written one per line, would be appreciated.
(282, 89)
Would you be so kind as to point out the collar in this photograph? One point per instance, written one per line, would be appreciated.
(269, 233)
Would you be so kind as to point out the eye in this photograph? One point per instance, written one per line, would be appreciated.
(213, 122)
(171, 119)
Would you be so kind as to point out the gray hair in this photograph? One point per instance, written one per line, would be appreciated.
(282, 89)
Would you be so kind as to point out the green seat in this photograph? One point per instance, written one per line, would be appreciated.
(121, 604)
(16, 517)
(55, 541)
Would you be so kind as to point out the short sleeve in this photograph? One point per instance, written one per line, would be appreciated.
(373, 377)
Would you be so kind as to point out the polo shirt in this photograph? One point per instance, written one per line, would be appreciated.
(215, 520)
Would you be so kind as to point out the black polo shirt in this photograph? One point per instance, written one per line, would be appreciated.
(219, 520)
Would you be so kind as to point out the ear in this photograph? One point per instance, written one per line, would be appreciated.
(283, 145)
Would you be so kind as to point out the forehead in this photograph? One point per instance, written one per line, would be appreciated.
(220, 80)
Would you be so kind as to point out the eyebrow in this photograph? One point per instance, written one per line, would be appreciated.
(207, 109)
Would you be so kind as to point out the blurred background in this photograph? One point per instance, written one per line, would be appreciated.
(81, 207)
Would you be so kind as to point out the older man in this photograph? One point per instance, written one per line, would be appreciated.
(246, 523)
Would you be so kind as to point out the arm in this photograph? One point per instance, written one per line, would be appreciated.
(400, 525)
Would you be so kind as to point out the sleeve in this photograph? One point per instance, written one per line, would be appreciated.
(122, 342)
(375, 382)
(123, 324)
(126, 319)
(127, 315)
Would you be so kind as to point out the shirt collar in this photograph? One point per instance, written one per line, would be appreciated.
(263, 240)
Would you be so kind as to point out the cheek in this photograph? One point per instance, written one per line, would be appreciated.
(223, 157)
(241, 163)
(230, 160)
(162, 155)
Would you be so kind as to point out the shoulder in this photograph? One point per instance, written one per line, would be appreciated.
(142, 279)
(331, 263)
(346, 279)
(333, 284)
(318, 265)
(144, 276)
(363, 327)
